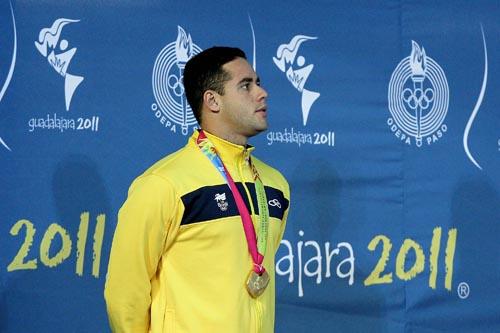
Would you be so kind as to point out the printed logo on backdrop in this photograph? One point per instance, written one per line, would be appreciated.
(8, 77)
(171, 107)
(59, 57)
(290, 60)
(296, 72)
(418, 99)
(477, 106)
(59, 54)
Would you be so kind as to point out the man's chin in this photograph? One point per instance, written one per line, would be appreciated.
(257, 130)
(262, 128)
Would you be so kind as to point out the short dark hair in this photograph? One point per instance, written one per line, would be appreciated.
(204, 72)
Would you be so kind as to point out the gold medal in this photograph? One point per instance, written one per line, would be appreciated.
(256, 284)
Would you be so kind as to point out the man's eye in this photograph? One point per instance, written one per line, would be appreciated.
(246, 86)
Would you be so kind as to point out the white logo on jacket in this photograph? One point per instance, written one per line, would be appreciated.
(275, 203)
(220, 198)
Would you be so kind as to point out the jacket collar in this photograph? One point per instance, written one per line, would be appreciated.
(229, 152)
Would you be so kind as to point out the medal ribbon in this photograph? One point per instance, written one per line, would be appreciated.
(256, 248)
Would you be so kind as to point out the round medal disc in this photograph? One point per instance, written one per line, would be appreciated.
(256, 284)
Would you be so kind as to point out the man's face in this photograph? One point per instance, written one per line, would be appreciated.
(243, 106)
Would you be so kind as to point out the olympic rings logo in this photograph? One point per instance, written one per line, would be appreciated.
(418, 98)
(275, 203)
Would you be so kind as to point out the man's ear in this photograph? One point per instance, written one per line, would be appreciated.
(211, 100)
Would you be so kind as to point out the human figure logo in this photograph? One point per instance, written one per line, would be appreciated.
(171, 106)
(296, 72)
(418, 99)
(49, 46)
(289, 60)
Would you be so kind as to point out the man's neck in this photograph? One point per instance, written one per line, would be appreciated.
(240, 140)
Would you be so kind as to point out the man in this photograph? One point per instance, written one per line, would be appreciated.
(194, 247)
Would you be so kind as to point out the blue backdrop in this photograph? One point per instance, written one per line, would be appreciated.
(383, 117)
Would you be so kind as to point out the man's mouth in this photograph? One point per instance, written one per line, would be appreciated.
(262, 110)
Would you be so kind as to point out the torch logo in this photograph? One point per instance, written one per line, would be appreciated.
(418, 99)
(171, 106)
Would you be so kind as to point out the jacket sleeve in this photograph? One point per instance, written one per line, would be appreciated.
(145, 223)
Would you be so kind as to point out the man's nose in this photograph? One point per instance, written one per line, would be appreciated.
(262, 94)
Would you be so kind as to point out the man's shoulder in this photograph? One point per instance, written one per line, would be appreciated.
(174, 165)
(265, 167)
(173, 175)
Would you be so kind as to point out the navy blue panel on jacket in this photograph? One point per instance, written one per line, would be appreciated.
(205, 203)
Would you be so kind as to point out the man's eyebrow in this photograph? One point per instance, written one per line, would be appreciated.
(249, 80)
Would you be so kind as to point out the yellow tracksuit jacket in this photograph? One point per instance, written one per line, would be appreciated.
(179, 259)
